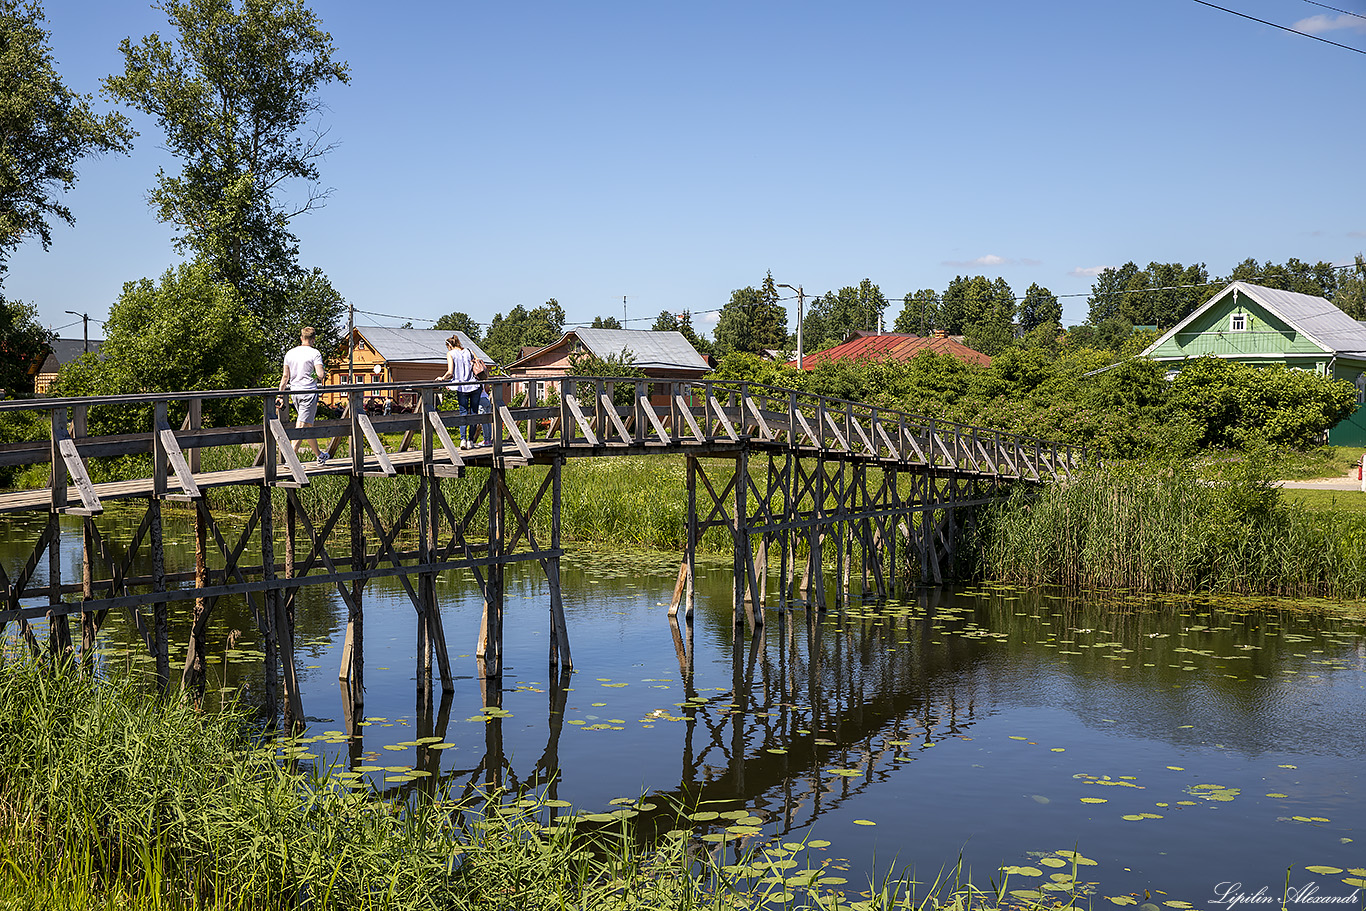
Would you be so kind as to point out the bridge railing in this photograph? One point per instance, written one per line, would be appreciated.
(528, 416)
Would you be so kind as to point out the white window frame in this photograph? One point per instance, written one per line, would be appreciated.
(1237, 322)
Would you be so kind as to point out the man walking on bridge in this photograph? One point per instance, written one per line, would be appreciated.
(303, 371)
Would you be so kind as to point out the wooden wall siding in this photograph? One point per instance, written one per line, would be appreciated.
(785, 473)
(1267, 337)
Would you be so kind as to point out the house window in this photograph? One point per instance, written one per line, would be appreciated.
(1361, 388)
(1237, 322)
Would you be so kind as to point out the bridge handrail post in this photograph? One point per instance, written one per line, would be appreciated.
(533, 400)
(820, 423)
(932, 443)
(639, 411)
(270, 455)
(159, 461)
(355, 404)
(497, 399)
(427, 406)
(744, 405)
(900, 451)
(568, 387)
(792, 420)
(709, 420)
(58, 477)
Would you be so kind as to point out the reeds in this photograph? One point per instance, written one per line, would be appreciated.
(1165, 527)
(113, 798)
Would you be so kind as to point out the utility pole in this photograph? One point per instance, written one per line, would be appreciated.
(801, 299)
(85, 329)
(623, 311)
(351, 344)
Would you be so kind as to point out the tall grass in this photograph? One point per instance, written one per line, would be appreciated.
(111, 798)
(1165, 527)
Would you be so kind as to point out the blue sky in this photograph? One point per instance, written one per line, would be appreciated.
(493, 154)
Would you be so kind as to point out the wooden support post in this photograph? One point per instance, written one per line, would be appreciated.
(353, 652)
(195, 672)
(89, 629)
(265, 622)
(690, 543)
(58, 628)
(489, 652)
(160, 640)
(426, 578)
(559, 629)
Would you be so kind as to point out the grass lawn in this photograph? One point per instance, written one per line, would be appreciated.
(1337, 501)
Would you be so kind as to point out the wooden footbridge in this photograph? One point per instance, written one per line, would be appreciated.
(888, 492)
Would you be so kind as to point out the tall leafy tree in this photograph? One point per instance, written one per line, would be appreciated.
(682, 323)
(606, 322)
(1161, 295)
(186, 331)
(1319, 279)
(989, 317)
(45, 130)
(1039, 307)
(236, 92)
(508, 335)
(24, 343)
(1107, 292)
(919, 310)
(833, 315)
(753, 320)
(459, 320)
(1351, 293)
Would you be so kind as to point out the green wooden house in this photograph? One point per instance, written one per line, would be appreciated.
(1265, 326)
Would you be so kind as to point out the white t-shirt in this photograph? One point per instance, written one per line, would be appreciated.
(461, 362)
(304, 363)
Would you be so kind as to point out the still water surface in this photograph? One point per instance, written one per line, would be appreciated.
(1178, 746)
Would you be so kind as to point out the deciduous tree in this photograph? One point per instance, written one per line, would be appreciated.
(236, 92)
(459, 321)
(1320, 279)
(834, 315)
(918, 312)
(45, 129)
(521, 328)
(184, 332)
(1039, 306)
(24, 343)
(752, 320)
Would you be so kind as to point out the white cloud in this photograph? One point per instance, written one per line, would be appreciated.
(1322, 23)
(991, 259)
(1087, 272)
(1356, 233)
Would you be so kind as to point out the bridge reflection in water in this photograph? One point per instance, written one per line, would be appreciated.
(777, 470)
(818, 692)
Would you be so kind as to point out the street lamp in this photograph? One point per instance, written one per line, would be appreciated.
(85, 320)
(801, 298)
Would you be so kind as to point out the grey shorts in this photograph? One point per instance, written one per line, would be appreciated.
(306, 404)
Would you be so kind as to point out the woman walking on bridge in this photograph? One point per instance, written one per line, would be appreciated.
(460, 370)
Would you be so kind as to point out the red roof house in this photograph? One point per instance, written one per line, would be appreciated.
(892, 346)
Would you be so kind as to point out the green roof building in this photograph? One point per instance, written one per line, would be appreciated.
(1266, 326)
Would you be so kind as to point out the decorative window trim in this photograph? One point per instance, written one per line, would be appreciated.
(1238, 322)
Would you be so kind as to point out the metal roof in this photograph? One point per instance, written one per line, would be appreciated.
(416, 345)
(649, 349)
(892, 346)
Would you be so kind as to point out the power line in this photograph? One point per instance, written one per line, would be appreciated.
(1284, 28)
(1335, 9)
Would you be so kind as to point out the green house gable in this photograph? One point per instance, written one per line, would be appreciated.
(1266, 326)
(1237, 326)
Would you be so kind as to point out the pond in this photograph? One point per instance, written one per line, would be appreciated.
(1174, 746)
